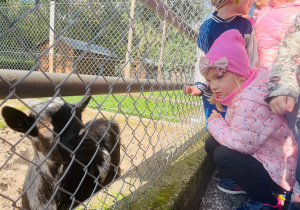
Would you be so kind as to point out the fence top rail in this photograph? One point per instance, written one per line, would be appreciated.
(25, 84)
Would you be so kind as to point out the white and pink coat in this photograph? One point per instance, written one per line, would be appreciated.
(250, 127)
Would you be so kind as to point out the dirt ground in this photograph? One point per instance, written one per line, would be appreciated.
(140, 139)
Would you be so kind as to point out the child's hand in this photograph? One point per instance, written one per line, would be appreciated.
(192, 90)
(214, 115)
(282, 104)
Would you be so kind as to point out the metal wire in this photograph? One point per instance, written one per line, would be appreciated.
(132, 58)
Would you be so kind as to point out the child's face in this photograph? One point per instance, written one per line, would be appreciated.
(242, 6)
(222, 85)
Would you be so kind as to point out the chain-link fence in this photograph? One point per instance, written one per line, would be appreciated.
(128, 60)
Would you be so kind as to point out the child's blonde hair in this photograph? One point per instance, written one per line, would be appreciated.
(219, 106)
(218, 3)
(259, 4)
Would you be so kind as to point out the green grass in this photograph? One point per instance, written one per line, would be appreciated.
(175, 95)
(2, 124)
(151, 109)
(103, 203)
(10, 63)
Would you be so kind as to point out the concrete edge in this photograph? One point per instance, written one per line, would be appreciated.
(191, 196)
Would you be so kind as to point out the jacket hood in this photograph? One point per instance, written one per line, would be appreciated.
(290, 4)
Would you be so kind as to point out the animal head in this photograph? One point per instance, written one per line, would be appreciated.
(47, 122)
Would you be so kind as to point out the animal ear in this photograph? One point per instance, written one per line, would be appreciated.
(84, 103)
(16, 119)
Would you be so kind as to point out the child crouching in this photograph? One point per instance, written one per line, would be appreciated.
(254, 147)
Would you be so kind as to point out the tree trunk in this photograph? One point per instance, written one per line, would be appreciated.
(130, 34)
(51, 35)
(161, 50)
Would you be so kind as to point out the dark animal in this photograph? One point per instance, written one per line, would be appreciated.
(72, 161)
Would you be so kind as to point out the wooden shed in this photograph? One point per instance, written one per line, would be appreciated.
(142, 68)
(70, 51)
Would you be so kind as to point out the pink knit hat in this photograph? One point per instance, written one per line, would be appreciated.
(228, 46)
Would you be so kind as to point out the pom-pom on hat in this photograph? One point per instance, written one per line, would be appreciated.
(227, 53)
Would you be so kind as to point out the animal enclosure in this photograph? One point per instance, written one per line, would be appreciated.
(131, 58)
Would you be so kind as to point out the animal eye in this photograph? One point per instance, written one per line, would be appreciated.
(45, 126)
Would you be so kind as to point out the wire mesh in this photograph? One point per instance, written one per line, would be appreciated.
(121, 39)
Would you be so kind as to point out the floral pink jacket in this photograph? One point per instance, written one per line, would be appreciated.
(250, 127)
(270, 26)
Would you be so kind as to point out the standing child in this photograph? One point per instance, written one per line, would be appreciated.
(225, 18)
(271, 24)
(255, 147)
(284, 89)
